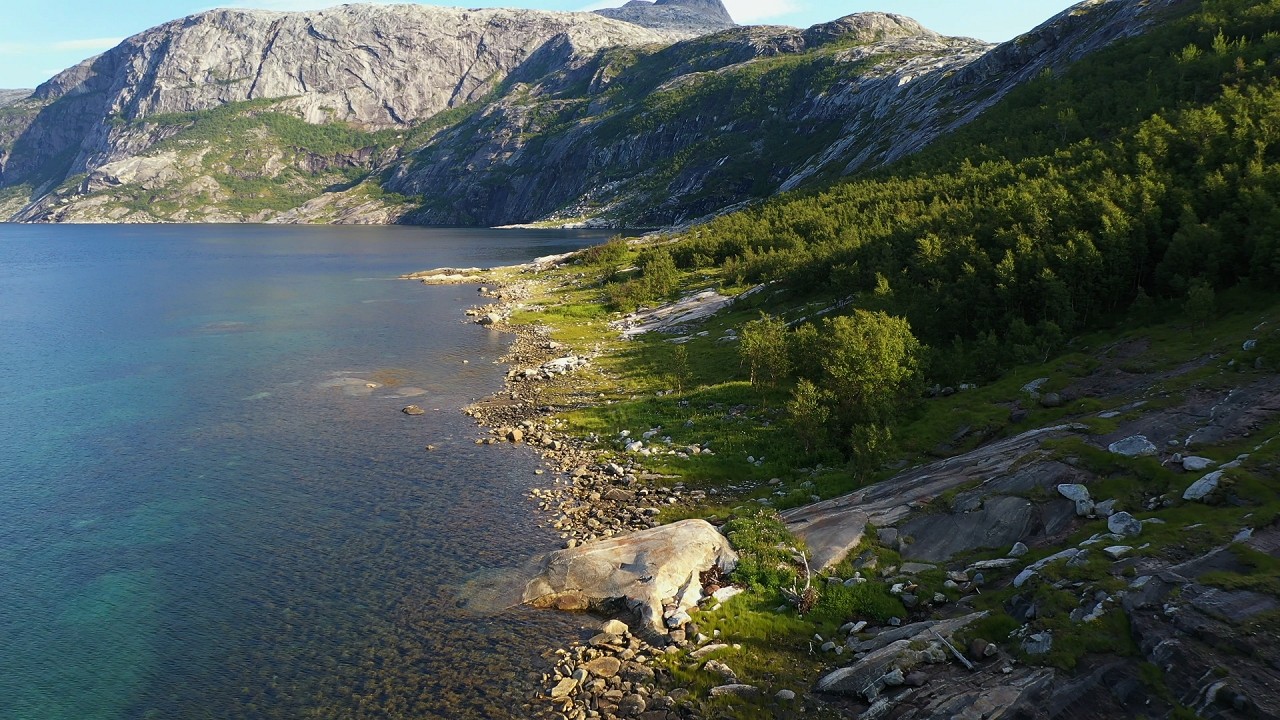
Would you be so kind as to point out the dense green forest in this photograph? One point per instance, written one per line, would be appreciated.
(1148, 172)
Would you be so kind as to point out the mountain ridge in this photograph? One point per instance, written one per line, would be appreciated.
(656, 132)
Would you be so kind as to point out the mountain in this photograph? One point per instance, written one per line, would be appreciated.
(697, 16)
(445, 116)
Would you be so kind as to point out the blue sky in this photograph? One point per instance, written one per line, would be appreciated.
(39, 39)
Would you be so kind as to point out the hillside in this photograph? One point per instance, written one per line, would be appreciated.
(993, 429)
(206, 119)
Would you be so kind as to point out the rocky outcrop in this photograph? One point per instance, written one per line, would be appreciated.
(375, 65)
(832, 528)
(694, 17)
(9, 97)
(649, 570)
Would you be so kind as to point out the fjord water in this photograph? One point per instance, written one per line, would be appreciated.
(205, 510)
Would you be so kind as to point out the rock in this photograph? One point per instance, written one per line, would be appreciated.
(937, 537)
(1031, 570)
(718, 668)
(413, 410)
(642, 568)
(1018, 550)
(887, 537)
(1203, 487)
(1195, 463)
(1106, 508)
(1038, 644)
(1122, 523)
(1073, 491)
(631, 706)
(1033, 388)
(1051, 400)
(724, 593)
(915, 568)
(615, 627)
(1249, 345)
(735, 689)
(978, 649)
(1135, 446)
(706, 650)
(564, 688)
(603, 666)
(489, 319)
(915, 679)
(785, 695)
(1115, 552)
(893, 678)
(515, 435)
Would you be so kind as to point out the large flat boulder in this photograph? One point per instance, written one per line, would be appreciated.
(644, 569)
(832, 528)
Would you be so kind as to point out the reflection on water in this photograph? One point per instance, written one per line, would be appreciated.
(211, 505)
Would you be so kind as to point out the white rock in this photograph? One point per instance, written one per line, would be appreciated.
(1196, 464)
(1073, 491)
(1122, 523)
(1135, 446)
(1201, 488)
(1115, 552)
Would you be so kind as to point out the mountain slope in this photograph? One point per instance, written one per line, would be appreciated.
(371, 65)
(697, 16)
(565, 117)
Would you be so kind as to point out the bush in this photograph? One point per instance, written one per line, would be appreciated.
(762, 541)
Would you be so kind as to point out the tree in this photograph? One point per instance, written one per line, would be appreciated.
(1200, 303)
(680, 372)
(870, 365)
(659, 273)
(763, 348)
(807, 413)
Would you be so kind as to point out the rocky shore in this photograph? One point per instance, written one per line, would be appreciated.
(1086, 533)
(591, 496)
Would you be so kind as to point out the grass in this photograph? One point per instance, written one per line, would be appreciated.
(629, 388)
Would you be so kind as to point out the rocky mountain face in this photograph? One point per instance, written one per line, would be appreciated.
(695, 16)
(445, 116)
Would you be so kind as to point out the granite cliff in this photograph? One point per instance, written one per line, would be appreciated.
(648, 114)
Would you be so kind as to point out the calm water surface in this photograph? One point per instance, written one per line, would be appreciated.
(205, 512)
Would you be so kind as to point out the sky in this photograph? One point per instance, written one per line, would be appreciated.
(40, 39)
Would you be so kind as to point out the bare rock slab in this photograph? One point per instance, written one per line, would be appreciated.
(642, 569)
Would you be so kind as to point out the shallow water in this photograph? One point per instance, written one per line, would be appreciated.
(205, 509)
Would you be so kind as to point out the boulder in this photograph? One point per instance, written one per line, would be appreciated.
(1196, 464)
(1122, 523)
(642, 569)
(1203, 487)
(489, 319)
(1135, 446)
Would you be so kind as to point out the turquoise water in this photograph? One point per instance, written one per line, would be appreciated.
(205, 512)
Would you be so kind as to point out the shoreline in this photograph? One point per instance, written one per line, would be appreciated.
(590, 496)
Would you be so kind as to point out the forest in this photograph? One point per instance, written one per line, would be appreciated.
(1146, 173)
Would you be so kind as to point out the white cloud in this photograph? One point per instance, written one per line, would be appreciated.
(88, 44)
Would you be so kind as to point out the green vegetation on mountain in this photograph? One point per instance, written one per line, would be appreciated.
(1025, 228)
(1119, 217)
